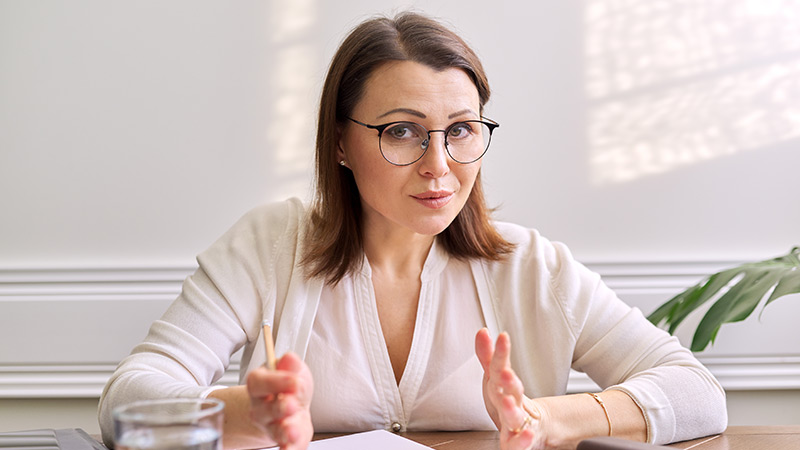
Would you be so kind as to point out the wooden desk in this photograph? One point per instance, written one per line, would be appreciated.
(734, 438)
(747, 438)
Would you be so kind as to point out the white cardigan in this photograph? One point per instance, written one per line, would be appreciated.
(558, 313)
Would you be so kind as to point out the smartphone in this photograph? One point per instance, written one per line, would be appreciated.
(612, 443)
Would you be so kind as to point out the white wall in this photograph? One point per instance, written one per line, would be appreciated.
(658, 139)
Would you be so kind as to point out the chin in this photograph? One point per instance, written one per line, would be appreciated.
(433, 227)
(435, 224)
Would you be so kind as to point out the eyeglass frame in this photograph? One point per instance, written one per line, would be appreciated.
(491, 125)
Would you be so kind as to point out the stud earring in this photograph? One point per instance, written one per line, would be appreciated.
(342, 163)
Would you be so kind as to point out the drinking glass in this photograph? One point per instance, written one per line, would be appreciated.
(169, 424)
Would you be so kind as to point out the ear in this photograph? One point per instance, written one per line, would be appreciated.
(340, 155)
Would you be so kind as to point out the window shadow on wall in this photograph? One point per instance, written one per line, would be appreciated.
(289, 139)
(674, 83)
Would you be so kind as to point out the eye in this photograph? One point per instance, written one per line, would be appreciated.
(460, 130)
(402, 131)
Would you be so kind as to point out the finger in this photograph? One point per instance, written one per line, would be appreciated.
(512, 416)
(511, 384)
(304, 388)
(290, 362)
(266, 412)
(521, 440)
(283, 431)
(484, 348)
(497, 364)
(276, 431)
(296, 431)
(262, 382)
(275, 409)
(500, 359)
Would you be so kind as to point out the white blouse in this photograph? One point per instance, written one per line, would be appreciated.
(559, 315)
(440, 389)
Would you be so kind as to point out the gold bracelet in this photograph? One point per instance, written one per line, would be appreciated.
(602, 405)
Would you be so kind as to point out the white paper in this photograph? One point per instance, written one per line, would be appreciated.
(368, 440)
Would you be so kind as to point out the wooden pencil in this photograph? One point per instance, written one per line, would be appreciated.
(269, 345)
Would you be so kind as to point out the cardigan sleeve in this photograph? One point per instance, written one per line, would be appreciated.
(219, 310)
(561, 316)
(620, 349)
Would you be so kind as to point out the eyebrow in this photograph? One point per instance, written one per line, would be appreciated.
(460, 113)
(414, 112)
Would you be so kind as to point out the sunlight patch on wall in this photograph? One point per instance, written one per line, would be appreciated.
(672, 83)
(290, 130)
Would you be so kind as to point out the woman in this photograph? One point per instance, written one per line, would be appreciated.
(384, 290)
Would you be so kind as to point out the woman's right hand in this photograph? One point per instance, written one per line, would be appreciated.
(280, 401)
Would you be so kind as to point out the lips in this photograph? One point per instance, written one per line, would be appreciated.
(433, 199)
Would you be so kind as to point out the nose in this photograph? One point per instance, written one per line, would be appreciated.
(435, 163)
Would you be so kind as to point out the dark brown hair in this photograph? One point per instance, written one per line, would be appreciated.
(333, 243)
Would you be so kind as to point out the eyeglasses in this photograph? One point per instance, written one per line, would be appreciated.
(404, 143)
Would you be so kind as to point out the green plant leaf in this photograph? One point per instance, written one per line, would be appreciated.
(666, 311)
(675, 310)
(707, 291)
(742, 288)
(736, 304)
(789, 284)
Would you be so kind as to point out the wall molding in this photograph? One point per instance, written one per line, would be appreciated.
(63, 281)
(37, 305)
(738, 373)
(68, 381)
(87, 381)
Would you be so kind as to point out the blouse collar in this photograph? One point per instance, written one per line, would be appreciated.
(434, 264)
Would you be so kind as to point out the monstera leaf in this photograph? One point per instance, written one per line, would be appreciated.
(744, 287)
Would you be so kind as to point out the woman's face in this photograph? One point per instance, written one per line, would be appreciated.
(423, 197)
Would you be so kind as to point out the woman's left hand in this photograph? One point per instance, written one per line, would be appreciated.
(520, 420)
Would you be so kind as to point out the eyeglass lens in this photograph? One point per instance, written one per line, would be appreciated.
(405, 142)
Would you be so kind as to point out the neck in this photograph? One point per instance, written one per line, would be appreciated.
(399, 252)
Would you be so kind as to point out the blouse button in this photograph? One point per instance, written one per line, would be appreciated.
(396, 427)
